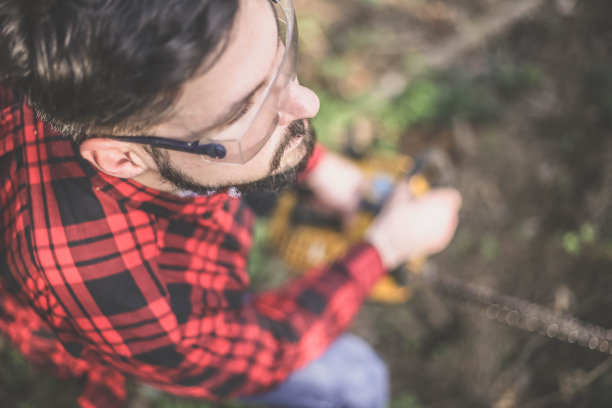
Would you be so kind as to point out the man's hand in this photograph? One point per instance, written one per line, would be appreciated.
(409, 227)
(336, 184)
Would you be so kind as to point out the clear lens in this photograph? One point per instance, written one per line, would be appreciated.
(250, 134)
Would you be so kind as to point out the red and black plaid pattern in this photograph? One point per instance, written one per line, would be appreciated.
(103, 277)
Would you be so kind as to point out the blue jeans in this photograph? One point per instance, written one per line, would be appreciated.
(348, 375)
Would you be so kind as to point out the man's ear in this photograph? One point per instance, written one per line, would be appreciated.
(113, 157)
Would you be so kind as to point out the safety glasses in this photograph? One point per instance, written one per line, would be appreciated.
(243, 139)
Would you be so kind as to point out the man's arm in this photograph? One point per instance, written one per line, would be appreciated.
(232, 345)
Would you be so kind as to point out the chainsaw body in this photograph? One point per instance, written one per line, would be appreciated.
(305, 237)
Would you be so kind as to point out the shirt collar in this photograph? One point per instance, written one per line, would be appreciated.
(137, 195)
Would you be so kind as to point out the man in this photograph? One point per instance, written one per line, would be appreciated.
(129, 130)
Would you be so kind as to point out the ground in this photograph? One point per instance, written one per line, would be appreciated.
(519, 96)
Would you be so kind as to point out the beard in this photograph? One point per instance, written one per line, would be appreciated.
(276, 179)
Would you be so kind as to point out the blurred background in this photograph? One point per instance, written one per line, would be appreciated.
(518, 94)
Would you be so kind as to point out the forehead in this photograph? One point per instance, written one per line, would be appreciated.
(246, 61)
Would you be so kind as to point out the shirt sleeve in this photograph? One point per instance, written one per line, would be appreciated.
(256, 342)
(315, 159)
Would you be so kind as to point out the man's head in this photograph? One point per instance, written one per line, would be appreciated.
(186, 68)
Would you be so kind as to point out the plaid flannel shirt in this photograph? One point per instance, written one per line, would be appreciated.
(103, 277)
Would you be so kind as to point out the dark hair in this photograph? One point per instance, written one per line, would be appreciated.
(108, 64)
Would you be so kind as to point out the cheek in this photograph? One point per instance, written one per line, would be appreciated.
(260, 163)
(269, 149)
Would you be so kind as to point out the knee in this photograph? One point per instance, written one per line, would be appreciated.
(365, 381)
(349, 375)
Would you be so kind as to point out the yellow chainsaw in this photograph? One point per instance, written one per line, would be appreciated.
(306, 237)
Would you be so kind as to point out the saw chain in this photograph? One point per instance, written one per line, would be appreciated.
(519, 313)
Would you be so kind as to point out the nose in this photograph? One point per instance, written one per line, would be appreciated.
(300, 103)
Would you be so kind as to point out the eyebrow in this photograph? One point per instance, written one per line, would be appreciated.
(233, 110)
(236, 106)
